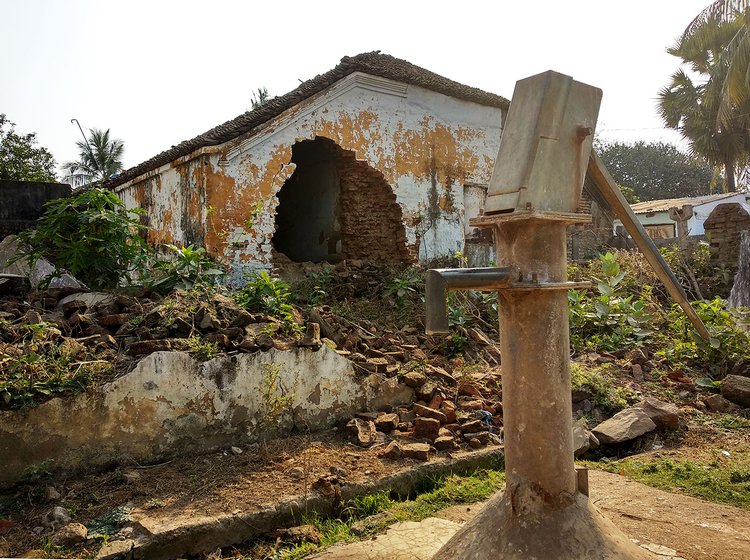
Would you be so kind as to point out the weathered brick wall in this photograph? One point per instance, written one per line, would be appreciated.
(586, 241)
(723, 229)
(371, 220)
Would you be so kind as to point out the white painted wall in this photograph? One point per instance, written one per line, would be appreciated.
(421, 141)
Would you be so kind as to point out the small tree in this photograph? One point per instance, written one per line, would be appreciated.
(20, 158)
(90, 234)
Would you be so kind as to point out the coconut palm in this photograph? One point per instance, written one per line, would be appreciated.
(99, 157)
(694, 102)
(736, 85)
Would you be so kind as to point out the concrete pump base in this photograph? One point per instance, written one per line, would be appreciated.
(576, 532)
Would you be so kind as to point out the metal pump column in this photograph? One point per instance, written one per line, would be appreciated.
(532, 198)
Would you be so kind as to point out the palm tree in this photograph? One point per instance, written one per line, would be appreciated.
(694, 101)
(99, 157)
(736, 54)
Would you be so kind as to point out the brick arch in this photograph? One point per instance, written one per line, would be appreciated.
(335, 207)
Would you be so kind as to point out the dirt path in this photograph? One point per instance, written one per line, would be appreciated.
(696, 529)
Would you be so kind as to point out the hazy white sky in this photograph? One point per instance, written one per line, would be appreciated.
(158, 72)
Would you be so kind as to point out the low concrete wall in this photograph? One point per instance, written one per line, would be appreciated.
(172, 405)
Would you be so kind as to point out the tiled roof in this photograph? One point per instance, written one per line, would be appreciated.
(374, 63)
(667, 203)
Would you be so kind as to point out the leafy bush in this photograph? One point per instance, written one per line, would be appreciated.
(44, 368)
(270, 295)
(189, 266)
(681, 344)
(92, 235)
(610, 319)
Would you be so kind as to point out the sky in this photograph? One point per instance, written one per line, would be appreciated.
(160, 71)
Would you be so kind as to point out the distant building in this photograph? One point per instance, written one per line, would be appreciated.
(663, 219)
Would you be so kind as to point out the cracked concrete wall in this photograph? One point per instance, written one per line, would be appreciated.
(426, 145)
(171, 405)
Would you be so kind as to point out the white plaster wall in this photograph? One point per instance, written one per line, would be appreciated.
(171, 405)
(427, 145)
(702, 211)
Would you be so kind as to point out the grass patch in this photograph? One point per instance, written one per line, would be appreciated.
(371, 514)
(724, 480)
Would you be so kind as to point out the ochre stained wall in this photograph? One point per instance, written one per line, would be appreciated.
(426, 145)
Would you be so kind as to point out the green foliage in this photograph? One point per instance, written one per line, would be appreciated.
(90, 234)
(259, 97)
(719, 481)
(188, 267)
(654, 170)
(729, 342)
(276, 400)
(609, 319)
(44, 369)
(20, 158)
(261, 292)
(109, 522)
(202, 350)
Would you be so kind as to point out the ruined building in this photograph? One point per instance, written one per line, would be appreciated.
(375, 159)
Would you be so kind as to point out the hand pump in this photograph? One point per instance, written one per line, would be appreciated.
(532, 199)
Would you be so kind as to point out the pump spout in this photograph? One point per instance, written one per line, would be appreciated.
(440, 280)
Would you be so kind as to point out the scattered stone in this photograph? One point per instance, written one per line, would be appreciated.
(387, 422)
(471, 405)
(376, 365)
(14, 284)
(418, 451)
(581, 442)
(426, 428)
(482, 437)
(625, 425)
(57, 517)
(470, 390)
(392, 451)
(115, 550)
(449, 409)
(70, 534)
(236, 450)
(312, 336)
(636, 357)
(51, 494)
(717, 403)
(472, 427)
(427, 412)
(736, 388)
(362, 431)
(441, 374)
(636, 371)
(443, 443)
(474, 443)
(664, 415)
(425, 392)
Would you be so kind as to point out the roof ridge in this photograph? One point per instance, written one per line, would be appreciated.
(374, 62)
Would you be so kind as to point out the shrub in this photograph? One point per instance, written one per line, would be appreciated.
(270, 295)
(188, 267)
(92, 235)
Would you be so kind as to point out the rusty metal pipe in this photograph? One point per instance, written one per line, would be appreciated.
(439, 281)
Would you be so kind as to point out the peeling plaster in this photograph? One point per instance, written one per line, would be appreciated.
(426, 145)
(171, 405)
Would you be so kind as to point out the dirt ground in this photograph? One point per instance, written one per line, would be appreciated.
(225, 482)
